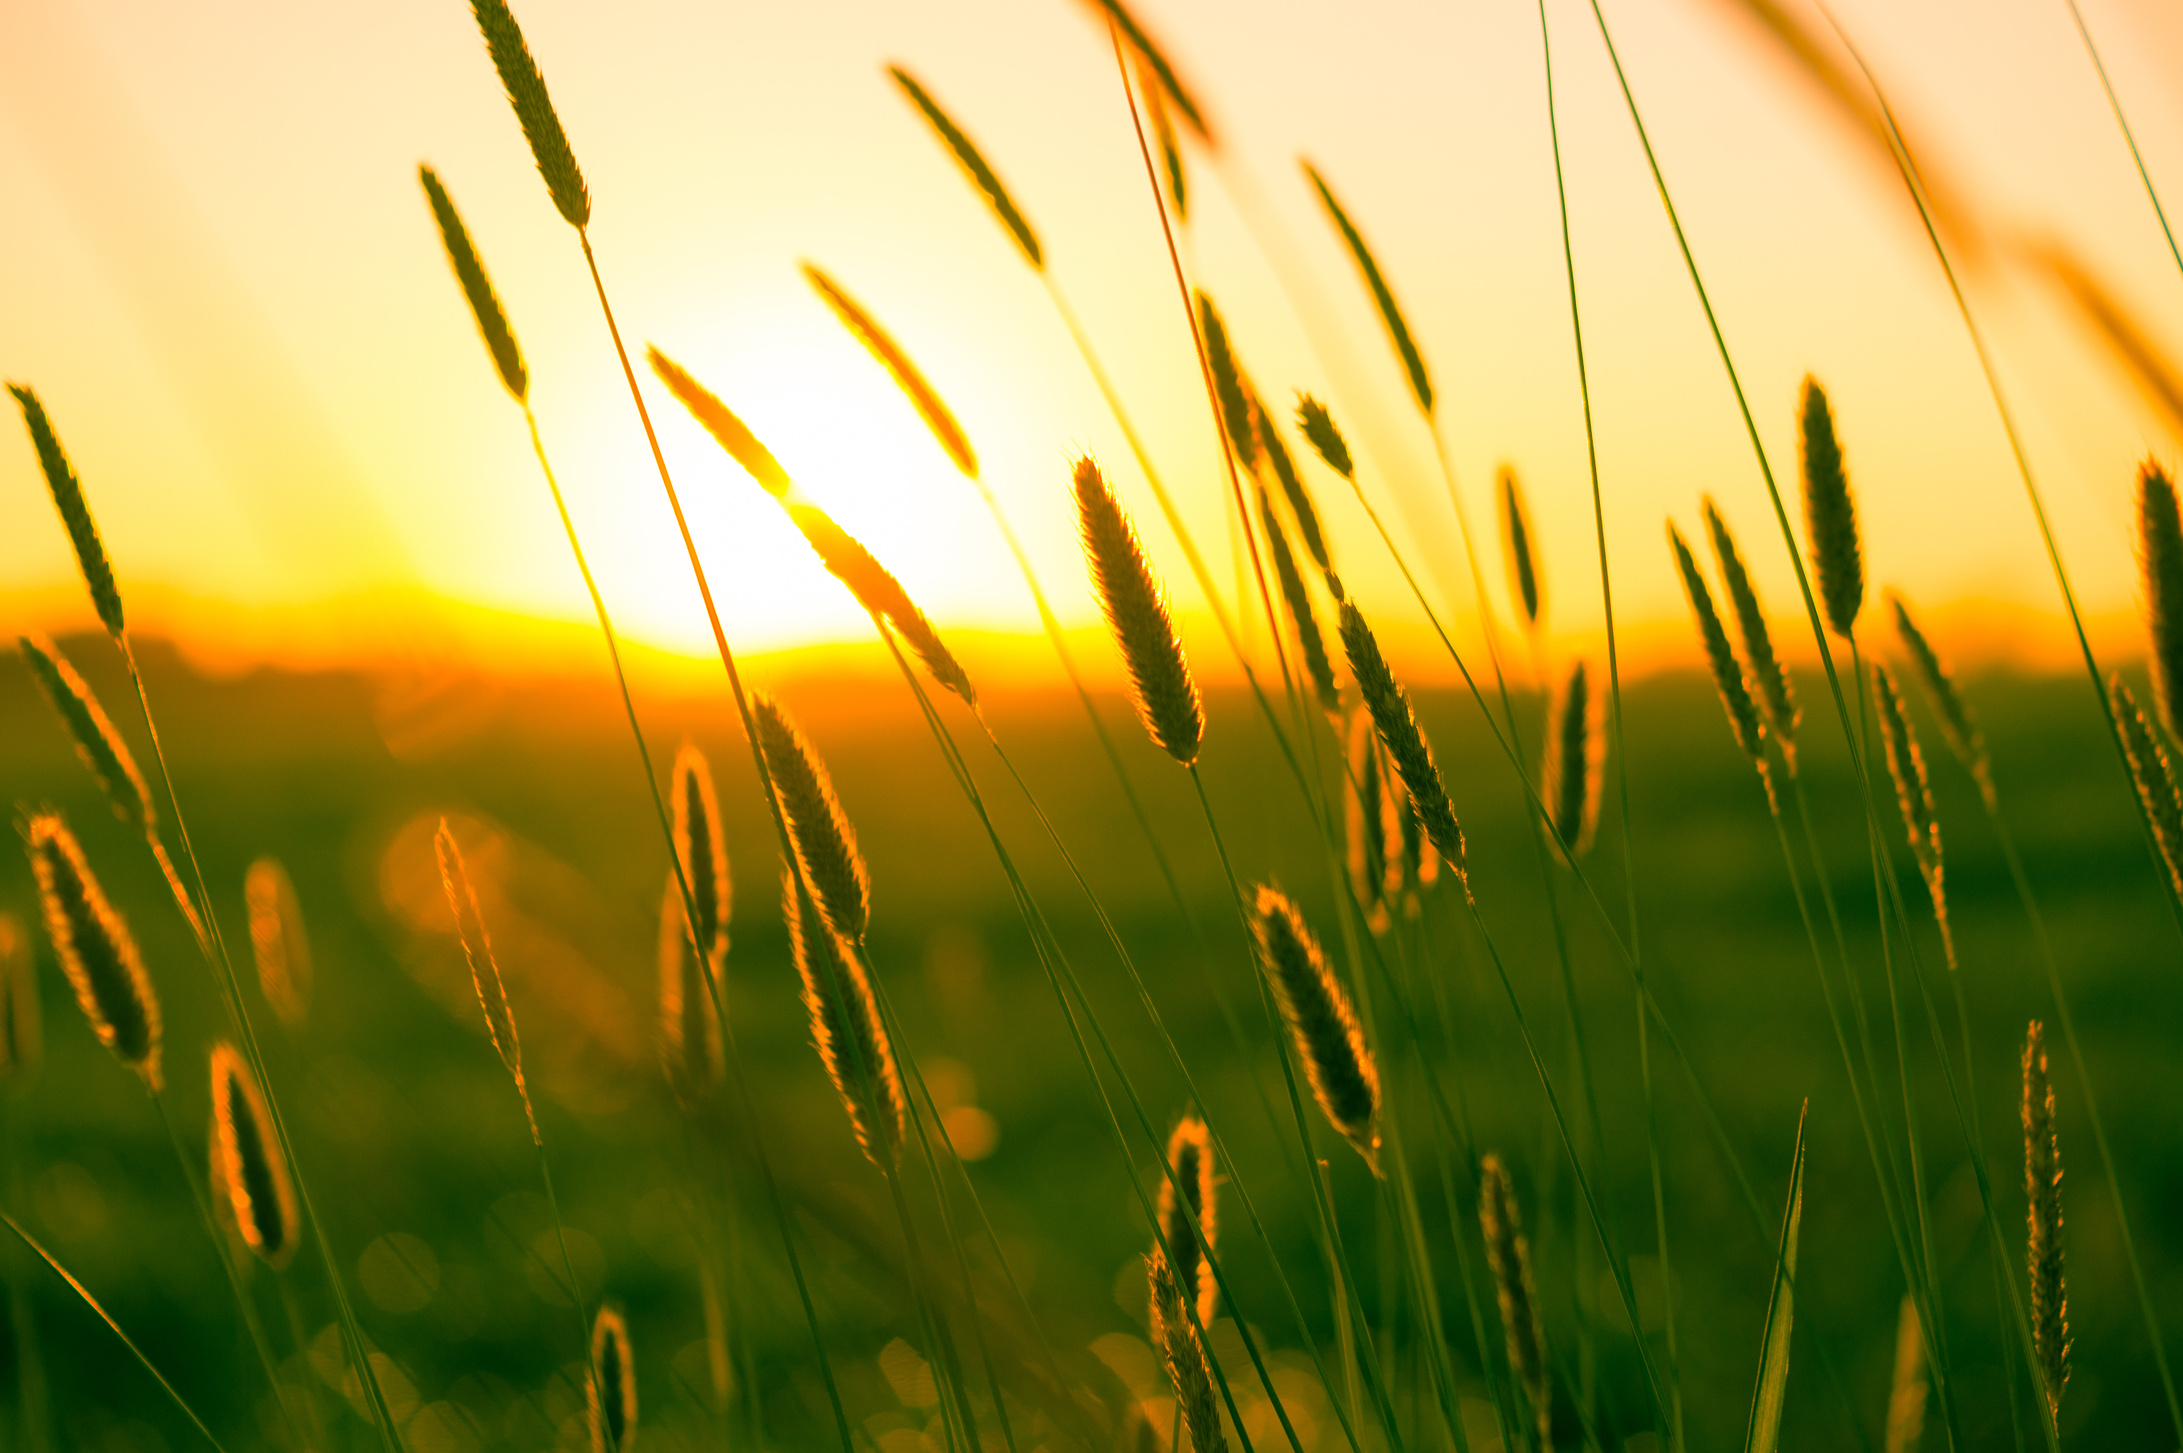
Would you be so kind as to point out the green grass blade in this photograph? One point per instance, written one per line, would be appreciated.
(1764, 1435)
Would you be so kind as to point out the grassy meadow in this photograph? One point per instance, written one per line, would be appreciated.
(1298, 1052)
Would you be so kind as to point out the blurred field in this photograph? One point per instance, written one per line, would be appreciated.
(415, 1147)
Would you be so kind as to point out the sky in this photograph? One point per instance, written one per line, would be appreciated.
(222, 278)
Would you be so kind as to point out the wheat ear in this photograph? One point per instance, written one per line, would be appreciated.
(1403, 738)
(826, 844)
(974, 164)
(97, 742)
(1345, 1079)
(253, 1176)
(1720, 657)
(922, 396)
(1575, 751)
(845, 1026)
(1370, 829)
(1914, 795)
(477, 951)
(1525, 583)
(613, 1386)
(2160, 566)
(2043, 1250)
(95, 949)
(526, 88)
(278, 942)
(1176, 1336)
(1191, 1237)
(1830, 512)
(1957, 726)
(1228, 391)
(1297, 599)
(75, 512)
(1136, 610)
(1398, 331)
(492, 319)
(2152, 776)
(22, 1029)
(1509, 1254)
(1775, 696)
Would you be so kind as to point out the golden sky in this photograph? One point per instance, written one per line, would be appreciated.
(222, 277)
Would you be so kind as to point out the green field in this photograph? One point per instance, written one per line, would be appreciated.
(407, 1127)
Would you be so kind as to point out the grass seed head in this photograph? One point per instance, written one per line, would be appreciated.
(1957, 726)
(477, 951)
(2160, 566)
(729, 431)
(973, 162)
(1402, 737)
(853, 1044)
(277, 940)
(75, 512)
(1906, 1391)
(1324, 436)
(1720, 657)
(22, 1027)
(1297, 598)
(98, 743)
(1136, 610)
(1371, 828)
(701, 848)
(876, 589)
(922, 396)
(2043, 1188)
(613, 1384)
(2152, 776)
(477, 287)
(1344, 1077)
(1178, 95)
(1830, 513)
(826, 845)
(1176, 1336)
(1575, 755)
(689, 1032)
(1163, 132)
(526, 88)
(1775, 697)
(1228, 389)
(1509, 1253)
(1413, 363)
(1913, 794)
(1525, 582)
(95, 949)
(1190, 1158)
(253, 1177)
(1277, 457)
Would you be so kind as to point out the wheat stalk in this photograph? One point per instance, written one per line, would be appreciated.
(1345, 1079)
(2043, 1248)
(1136, 610)
(95, 949)
(1526, 585)
(1775, 696)
(612, 1388)
(253, 1176)
(277, 940)
(1508, 1252)
(1191, 1237)
(826, 843)
(1830, 512)
(853, 1044)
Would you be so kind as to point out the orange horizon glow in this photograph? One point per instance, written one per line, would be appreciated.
(231, 298)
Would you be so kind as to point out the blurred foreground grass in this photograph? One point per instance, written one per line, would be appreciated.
(416, 1151)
